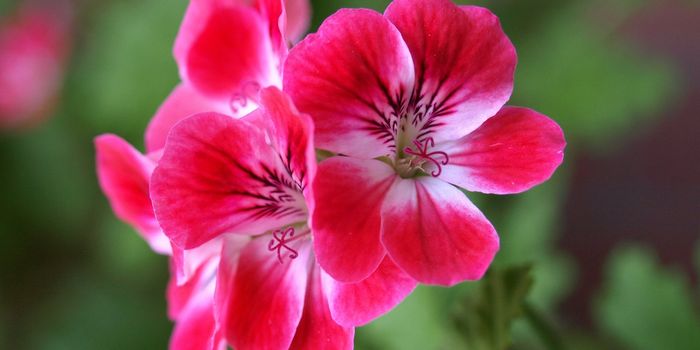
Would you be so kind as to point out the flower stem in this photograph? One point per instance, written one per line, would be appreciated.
(546, 332)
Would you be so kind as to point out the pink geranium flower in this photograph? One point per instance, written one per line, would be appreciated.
(412, 103)
(226, 50)
(222, 178)
(34, 45)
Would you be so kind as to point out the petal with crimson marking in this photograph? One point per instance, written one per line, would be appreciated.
(464, 63)
(350, 77)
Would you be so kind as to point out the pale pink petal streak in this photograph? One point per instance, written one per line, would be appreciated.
(351, 77)
(434, 233)
(510, 153)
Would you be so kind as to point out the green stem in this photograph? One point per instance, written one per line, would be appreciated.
(543, 328)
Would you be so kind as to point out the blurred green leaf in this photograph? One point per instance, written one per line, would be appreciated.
(646, 306)
(126, 69)
(417, 323)
(484, 320)
(596, 88)
(528, 226)
(96, 312)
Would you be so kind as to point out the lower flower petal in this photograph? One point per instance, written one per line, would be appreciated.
(196, 328)
(356, 304)
(124, 175)
(434, 233)
(510, 153)
(346, 222)
(317, 329)
(266, 298)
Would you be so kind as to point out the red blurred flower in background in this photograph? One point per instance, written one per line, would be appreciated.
(34, 45)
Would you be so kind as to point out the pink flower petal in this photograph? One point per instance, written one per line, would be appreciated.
(196, 329)
(273, 11)
(124, 175)
(266, 298)
(356, 304)
(218, 175)
(298, 18)
(291, 134)
(347, 77)
(346, 226)
(223, 47)
(183, 102)
(186, 262)
(464, 62)
(434, 233)
(317, 329)
(510, 153)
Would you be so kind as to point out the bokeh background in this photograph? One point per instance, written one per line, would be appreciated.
(604, 256)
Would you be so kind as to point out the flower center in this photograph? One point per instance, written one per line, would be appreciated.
(280, 241)
(419, 160)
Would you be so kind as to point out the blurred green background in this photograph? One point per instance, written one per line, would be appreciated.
(604, 256)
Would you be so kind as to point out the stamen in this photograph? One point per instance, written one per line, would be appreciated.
(239, 100)
(423, 153)
(280, 240)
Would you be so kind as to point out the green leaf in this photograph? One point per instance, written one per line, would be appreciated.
(125, 69)
(484, 319)
(527, 226)
(646, 306)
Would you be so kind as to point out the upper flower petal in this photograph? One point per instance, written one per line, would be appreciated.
(464, 63)
(219, 175)
(350, 77)
(266, 297)
(510, 153)
(434, 233)
(223, 47)
(290, 133)
(124, 175)
(346, 224)
(183, 102)
(317, 329)
(355, 304)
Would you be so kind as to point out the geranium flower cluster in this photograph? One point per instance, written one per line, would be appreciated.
(270, 250)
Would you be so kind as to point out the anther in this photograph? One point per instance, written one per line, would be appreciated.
(279, 241)
(422, 147)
